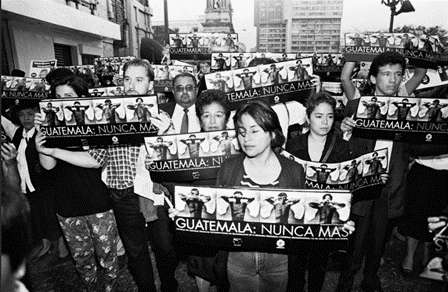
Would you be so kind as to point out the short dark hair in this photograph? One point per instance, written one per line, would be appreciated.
(260, 61)
(328, 195)
(386, 58)
(75, 82)
(58, 74)
(185, 74)
(23, 104)
(16, 227)
(210, 96)
(140, 63)
(265, 117)
(318, 98)
(17, 73)
(383, 59)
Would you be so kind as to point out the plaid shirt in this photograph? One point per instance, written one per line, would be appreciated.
(120, 162)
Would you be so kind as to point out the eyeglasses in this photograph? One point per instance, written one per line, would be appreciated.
(188, 88)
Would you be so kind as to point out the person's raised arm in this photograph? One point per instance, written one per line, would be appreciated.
(9, 166)
(415, 80)
(77, 158)
(314, 205)
(225, 199)
(46, 161)
(9, 127)
(339, 205)
(346, 80)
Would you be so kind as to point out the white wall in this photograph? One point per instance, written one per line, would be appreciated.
(34, 42)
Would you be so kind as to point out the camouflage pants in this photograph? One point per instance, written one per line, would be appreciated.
(92, 240)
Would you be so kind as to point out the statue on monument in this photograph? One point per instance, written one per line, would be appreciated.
(217, 4)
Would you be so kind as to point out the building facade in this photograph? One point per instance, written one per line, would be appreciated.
(72, 31)
(305, 26)
(139, 26)
(218, 17)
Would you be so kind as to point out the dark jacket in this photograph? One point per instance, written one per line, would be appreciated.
(395, 188)
(299, 148)
(291, 176)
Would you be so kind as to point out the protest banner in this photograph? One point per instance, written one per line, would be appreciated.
(81, 69)
(324, 63)
(355, 174)
(199, 46)
(335, 89)
(98, 121)
(436, 269)
(24, 87)
(109, 70)
(221, 61)
(189, 157)
(273, 83)
(107, 91)
(164, 75)
(272, 220)
(433, 78)
(419, 50)
(416, 120)
(40, 69)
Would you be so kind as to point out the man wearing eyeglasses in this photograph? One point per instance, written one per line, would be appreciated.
(183, 112)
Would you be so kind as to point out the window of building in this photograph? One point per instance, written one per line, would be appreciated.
(88, 59)
(63, 54)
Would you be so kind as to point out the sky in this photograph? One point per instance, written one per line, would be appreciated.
(358, 15)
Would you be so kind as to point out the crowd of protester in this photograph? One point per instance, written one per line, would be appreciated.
(88, 201)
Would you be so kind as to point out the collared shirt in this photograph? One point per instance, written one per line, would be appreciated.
(120, 164)
(10, 130)
(194, 125)
(22, 163)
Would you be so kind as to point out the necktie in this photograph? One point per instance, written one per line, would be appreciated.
(184, 127)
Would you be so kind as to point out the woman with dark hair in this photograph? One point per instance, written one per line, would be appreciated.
(70, 86)
(315, 144)
(83, 205)
(260, 136)
(319, 144)
(212, 109)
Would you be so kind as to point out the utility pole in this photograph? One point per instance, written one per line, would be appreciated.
(167, 32)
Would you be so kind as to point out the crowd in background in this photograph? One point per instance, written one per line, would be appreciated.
(89, 203)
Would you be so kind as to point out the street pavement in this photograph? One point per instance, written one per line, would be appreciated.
(50, 274)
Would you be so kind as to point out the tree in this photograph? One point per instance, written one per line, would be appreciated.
(438, 31)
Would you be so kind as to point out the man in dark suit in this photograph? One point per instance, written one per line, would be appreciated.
(183, 110)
